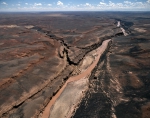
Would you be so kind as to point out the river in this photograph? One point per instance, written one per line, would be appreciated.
(59, 105)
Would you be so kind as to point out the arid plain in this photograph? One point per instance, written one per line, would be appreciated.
(75, 64)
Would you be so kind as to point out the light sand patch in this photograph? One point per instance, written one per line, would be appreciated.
(15, 26)
(88, 60)
(65, 104)
(15, 36)
(86, 63)
(124, 32)
(29, 26)
(118, 24)
(57, 15)
(8, 26)
(141, 30)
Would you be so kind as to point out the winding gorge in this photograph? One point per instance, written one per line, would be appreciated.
(74, 64)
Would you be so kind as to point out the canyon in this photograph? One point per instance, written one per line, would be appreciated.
(75, 64)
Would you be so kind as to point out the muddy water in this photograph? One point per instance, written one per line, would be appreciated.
(48, 112)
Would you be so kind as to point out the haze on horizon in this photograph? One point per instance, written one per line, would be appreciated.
(72, 5)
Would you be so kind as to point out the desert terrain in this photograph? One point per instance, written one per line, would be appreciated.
(75, 64)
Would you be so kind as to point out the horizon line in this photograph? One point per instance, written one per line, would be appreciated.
(83, 11)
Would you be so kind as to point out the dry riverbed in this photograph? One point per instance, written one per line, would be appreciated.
(64, 102)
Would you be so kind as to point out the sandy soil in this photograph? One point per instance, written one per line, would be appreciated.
(57, 15)
(8, 26)
(88, 60)
(69, 98)
(16, 26)
(100, 50)
(141, 30)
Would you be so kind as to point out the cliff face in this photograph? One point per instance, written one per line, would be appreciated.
(37, 58)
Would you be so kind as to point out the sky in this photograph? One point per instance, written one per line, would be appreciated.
(74, 5)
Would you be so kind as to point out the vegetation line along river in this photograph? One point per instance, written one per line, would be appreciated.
(75, 86)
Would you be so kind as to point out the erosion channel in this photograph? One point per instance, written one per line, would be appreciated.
(67, 98)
